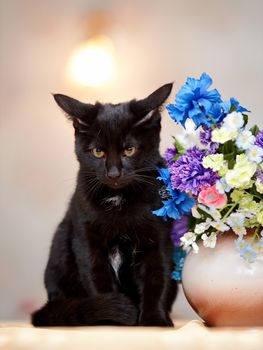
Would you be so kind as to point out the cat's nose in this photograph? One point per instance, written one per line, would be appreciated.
(113, 173)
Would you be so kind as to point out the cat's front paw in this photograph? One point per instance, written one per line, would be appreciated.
(155, 320)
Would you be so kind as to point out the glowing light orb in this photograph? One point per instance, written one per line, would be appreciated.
(92, 63)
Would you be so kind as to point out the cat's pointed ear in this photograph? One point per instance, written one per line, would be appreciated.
(82, 114)
(145, 109)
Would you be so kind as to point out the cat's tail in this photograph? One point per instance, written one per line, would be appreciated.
(104, 309)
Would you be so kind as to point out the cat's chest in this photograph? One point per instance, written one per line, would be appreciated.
(116, 218)
(118, 208)
(113, 203)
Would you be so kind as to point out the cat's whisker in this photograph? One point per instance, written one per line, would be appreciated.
(93, 188)
(144, 169)
(90, 184)
(145, 179)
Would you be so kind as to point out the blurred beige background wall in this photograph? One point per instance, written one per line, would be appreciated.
(155, 42)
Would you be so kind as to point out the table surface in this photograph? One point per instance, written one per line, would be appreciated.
(192, 335)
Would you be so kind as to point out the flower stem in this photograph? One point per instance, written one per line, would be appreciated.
(254, 195)
(229, 211)
(212, 120)
(255, 235)
(225, 206)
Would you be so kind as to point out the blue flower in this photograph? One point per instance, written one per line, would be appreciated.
(216, 112)
(178, 258)
(248, 254)
(226, 105)
(168, 210)
(178, 203)
(245, 250)
(194, 101)
(164, 175)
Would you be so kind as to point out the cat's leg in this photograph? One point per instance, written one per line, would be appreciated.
(61, 274)
(96, 273)
(154, 277)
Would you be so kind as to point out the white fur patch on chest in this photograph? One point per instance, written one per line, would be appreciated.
(115, 260)
(115, 201)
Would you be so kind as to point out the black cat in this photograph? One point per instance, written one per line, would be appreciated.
(111, 258)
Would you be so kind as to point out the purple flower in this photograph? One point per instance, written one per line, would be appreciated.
(259, 139)
(213, 147)
(180, 227)
(205, 136)
(169, 155)
(188, 173)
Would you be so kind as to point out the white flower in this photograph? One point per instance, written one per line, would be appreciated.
(195, 248)
(222, 186)
(189, 136)
(209, 241)
(239, 230)
(234, 121)
(236, 219)
(211, 211)
(188, 240)
(255, 154)
(203, 226)
(245, 139)
(220, 226)
(195, 212)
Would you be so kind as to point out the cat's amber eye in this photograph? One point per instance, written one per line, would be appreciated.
(98, 153)
(129, 151)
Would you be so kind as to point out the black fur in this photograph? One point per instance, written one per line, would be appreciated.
(111, 212)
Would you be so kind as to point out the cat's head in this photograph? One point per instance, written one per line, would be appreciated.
(116, 143)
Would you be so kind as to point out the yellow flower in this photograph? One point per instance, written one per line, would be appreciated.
(223, 134)
(259, 186)
(223, 170)
(237, 195)
(240, 176)
(214, 161)
(260, 217)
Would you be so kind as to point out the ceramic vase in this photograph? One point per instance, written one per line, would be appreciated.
(222, 287)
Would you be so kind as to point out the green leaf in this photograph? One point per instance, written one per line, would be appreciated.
(178, 155)
(255, 129)
(191, 223)
(228, 147)
(230, 151)
(179, 147)
(232, 108)
(245, 117)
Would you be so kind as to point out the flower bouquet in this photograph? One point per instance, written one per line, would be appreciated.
(213, 183)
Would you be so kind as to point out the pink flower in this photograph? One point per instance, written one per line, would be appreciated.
(211, 197)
